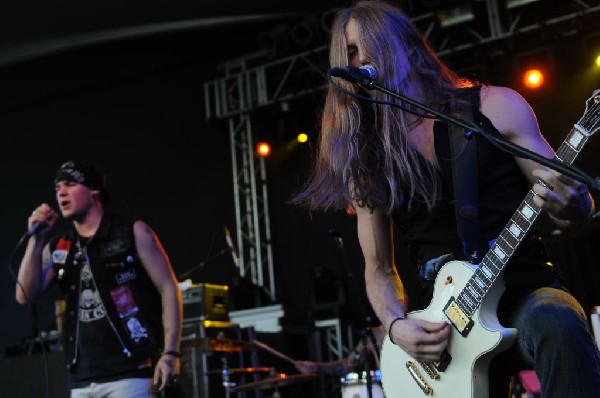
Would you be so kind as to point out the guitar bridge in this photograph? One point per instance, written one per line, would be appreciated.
(416, 375)
(459, 319)
(430, 370)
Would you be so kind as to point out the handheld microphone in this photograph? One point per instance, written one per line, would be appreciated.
(234, 253)
(365, 74)
(36, 225)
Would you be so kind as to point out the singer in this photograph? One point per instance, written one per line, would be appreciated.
(122, 326)
(396, 168)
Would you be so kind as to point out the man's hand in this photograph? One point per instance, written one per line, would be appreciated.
(167, 367)
(424, 341)
(566, 200)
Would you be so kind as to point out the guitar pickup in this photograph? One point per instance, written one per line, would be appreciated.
(444, 361)
(458, 318)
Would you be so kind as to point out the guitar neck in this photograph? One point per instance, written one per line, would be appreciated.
(514, 232)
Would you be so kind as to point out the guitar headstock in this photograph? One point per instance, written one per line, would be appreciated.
(590, 121)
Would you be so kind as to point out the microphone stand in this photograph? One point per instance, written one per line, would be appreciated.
(367, 332)
(505, 145)
(201, 264)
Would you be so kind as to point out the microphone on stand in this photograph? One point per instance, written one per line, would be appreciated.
(364, 75)
(232, 249)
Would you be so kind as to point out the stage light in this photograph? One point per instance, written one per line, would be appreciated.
(455, 15)
(598, 60)
(533, 78)
(263, 149)
(302, 138)
(518, 3)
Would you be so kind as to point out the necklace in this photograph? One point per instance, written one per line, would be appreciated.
(82, 248)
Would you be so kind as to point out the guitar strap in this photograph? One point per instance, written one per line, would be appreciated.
(465, 179)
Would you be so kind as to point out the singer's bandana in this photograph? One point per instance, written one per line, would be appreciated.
(85, 173)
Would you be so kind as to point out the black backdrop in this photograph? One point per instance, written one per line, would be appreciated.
(136, 108)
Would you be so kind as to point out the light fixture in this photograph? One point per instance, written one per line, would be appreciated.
(302, 138)
(518, 3)
(533, 78)
(455, 15)
(263, 149)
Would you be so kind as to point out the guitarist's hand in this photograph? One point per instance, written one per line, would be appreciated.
(566, 200)
(424, 341)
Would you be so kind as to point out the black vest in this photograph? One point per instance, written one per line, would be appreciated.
(131, 300)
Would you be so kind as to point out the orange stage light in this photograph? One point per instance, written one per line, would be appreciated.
(263, 149)
(533, 78)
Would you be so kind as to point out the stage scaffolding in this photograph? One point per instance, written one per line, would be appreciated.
(246, 87)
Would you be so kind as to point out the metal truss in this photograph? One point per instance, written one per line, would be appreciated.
(234, 97)
(506, 25)
(246, 88)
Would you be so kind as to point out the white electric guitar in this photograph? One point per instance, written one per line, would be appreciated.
(466, 296)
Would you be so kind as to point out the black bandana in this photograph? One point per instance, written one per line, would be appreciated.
(83, 172)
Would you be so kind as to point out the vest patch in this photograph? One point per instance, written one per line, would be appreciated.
(124, 301)
(126, 276)
(64, 244)
(115, 247)
(59, 256)
(136, 330)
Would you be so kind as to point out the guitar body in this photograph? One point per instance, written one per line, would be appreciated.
(466, 373)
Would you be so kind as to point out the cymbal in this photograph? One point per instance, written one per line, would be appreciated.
(219, 344)
(240, 370)
(274, 381)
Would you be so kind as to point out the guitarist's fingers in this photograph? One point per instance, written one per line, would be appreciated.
(437, 336)
(432, 327)
(555, 178)
(430, 352)
(423, 340)
(562, 197)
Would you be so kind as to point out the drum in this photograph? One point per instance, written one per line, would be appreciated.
(354, 385)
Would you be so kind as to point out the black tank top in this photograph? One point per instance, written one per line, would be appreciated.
(502, 186)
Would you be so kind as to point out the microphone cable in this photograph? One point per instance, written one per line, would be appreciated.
(32, 311)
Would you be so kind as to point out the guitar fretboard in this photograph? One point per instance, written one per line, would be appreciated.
(523, 219)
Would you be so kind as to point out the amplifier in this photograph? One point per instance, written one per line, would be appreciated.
(205, 301)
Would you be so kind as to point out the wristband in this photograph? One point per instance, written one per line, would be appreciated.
(390, 328)
(174, 353)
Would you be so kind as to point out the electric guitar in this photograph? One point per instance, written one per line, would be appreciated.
(466, 295)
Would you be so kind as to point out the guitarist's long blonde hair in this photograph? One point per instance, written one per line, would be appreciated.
(363, 155)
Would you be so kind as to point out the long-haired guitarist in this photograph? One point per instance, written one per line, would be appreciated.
(397, 168)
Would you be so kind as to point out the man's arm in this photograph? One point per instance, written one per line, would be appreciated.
(423, 340)
(158, 266)
(567, 201)
(36, 272)
(384, 287)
